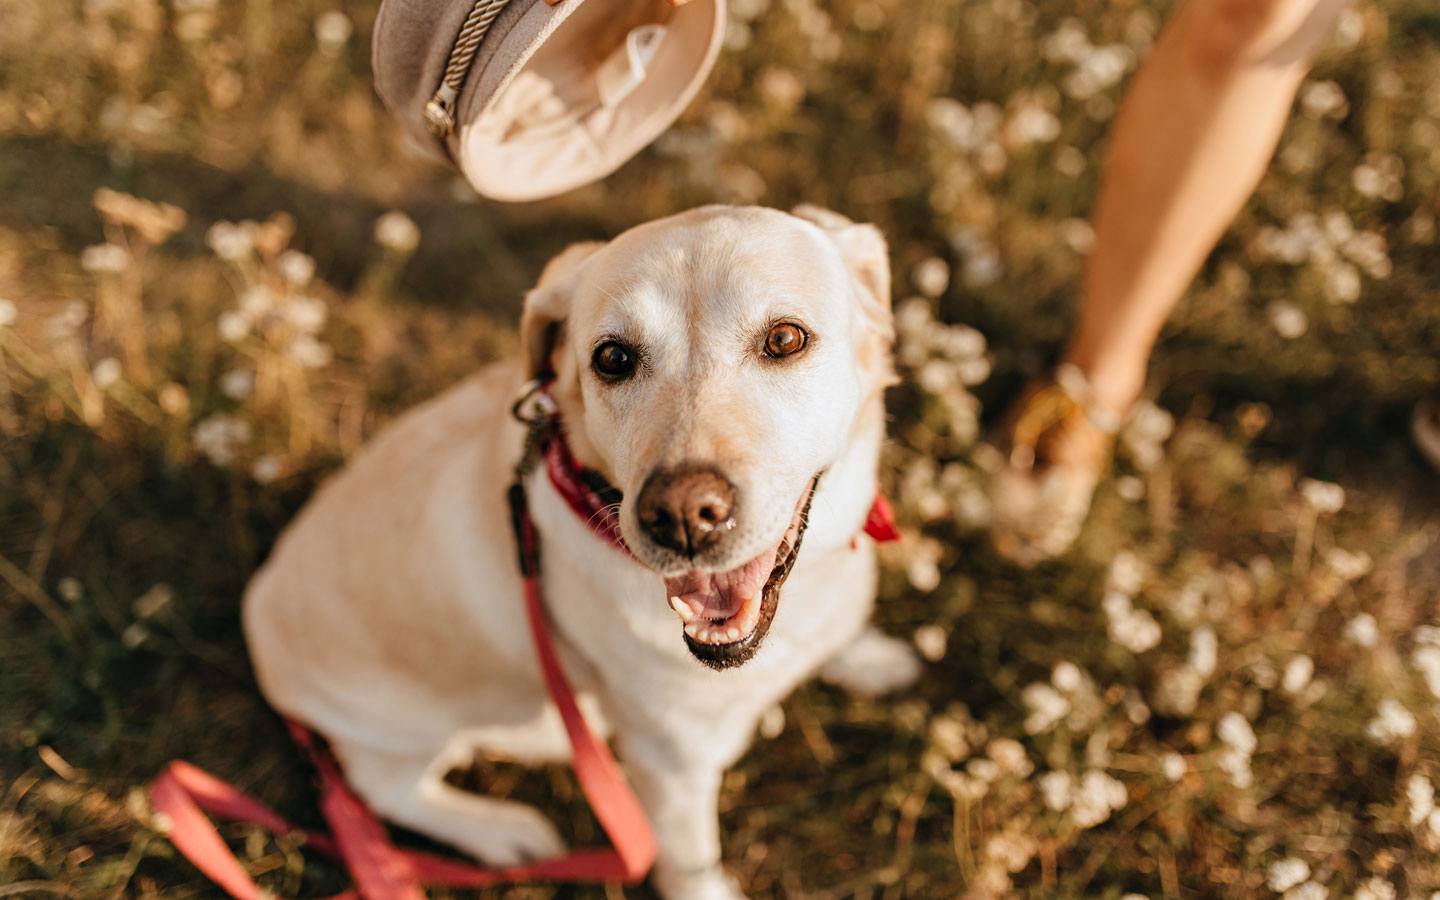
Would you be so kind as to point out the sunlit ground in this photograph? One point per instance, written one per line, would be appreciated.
(1230, 688)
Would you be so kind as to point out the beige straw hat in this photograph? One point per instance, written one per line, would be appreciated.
(531, 100)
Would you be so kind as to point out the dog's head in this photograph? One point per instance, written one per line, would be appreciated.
(712, 365)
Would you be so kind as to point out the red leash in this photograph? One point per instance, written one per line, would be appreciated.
(183, 794)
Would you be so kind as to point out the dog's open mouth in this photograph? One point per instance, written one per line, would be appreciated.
(727, 614)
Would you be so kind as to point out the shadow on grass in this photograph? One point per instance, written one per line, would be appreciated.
(469, 250)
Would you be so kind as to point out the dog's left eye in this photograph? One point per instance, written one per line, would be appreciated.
(785, 339)
(613, 361)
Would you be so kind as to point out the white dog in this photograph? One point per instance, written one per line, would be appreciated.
(723, 368)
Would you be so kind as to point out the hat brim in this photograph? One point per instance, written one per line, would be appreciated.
(558, 44)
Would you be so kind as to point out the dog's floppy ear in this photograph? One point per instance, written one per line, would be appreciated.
(548, 304)
(863, 247)
(868, 259)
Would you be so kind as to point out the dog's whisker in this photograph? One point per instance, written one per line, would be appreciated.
(608, 514)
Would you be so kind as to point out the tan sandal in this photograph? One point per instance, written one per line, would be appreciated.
(1060, 444)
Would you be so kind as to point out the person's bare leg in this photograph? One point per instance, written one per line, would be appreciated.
(1195, 132)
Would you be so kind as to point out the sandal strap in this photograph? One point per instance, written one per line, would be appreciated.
(1066, 396)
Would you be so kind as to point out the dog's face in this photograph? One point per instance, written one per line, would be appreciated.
(712, 365)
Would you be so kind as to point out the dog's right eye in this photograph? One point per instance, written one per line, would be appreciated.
(613, 361)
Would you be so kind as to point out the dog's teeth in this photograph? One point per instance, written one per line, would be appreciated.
(682, 609)
(693, 630)
(732, 635)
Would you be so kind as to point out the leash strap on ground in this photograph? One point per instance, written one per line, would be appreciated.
(183, 794)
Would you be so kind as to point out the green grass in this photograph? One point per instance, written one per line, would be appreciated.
(232, 112)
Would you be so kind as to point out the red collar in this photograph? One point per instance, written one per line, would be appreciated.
(595, 501)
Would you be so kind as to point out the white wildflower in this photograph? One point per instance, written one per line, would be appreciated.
(1375, 889)
(1286, 873)
(256, 302)
(932, 641)
(1288, 320)
(1188, 603)
(1145, 433)
(1173, 766)
(1235, 732)
(1204, 650)
(931, 276)
(1342, 283)
(1009, 754)
(1426, 660)
(1057, 789)
(1127, 574)
(268, 469)
(1134, 629)
(981, 769)
(1420, 798)
(333, 30)
(1309, 890)
(230, 242)
(1236, 766)
(1379, 176)
(1362, 631)
(1392, 722)
(1068, 43)
(237, 384)
(306, 314)
(105, 259)
(1322, 496)
(69, 589)
(1012, 851)
(1077, 234)
(947, 734)
(296, 268)
(310, 353)
(1177, 691)
(1067, 676)
(781, 88)
(1322, 99)
(923, 566)
(397, 233)
(772, 722)
(1031, 123)
(1347, 565)
(980, 258)
(233, 326)
(106, 372)
(219, 438)
(1298, 672)
(1046, 705)
(1099, 795)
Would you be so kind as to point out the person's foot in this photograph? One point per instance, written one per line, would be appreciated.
(1425, 426)
(1057, 445)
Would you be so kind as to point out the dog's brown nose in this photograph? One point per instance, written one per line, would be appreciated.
(688, 509)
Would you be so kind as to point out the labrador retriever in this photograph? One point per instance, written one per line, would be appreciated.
(723, 369)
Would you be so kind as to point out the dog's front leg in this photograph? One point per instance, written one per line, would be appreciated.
(681, 796)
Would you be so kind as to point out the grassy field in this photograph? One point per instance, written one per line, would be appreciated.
(1230, 688)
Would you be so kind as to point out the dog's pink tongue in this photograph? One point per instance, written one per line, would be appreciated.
(720, 595)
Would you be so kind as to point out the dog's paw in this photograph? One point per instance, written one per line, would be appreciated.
(873, 665)
(512, 834)
(711, 883)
